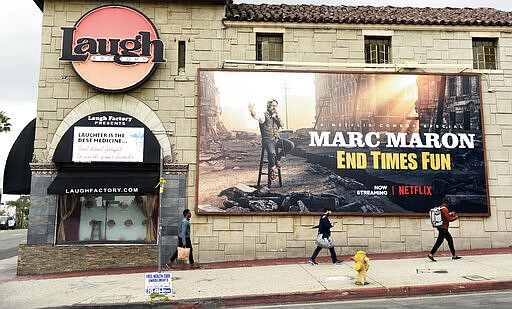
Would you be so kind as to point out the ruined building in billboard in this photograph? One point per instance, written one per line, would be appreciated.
(365, 102)
(448, 103)
(210, 122)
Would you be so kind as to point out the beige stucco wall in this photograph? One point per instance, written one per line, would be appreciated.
(209, 42)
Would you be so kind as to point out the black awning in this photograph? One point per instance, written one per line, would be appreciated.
(17, 175)
(105, 182)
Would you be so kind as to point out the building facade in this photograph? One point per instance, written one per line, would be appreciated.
(109, 229)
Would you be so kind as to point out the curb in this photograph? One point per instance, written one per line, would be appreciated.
(337, 295)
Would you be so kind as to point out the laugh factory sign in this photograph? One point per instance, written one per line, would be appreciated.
(113, 48)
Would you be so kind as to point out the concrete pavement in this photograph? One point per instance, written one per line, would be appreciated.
(264, 281)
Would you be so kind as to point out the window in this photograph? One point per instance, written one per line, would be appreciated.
(181, 57)
(453, 118)
(452, 86)
(466, 85)
(377, 49)
(269, 46)
(484, 53)
(107, 218)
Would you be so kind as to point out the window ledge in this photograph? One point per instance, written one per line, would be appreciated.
(487, 71)
(183, 78)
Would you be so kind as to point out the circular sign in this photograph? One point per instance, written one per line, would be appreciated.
(113, 48)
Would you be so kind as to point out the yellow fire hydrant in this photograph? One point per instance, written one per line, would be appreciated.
(361, 266)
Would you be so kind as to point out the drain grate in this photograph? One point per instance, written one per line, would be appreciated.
(431, 271)
(476, 278)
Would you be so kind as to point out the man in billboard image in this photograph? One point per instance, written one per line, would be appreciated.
(275, 146)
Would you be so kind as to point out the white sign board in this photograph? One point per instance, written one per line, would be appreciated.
(160, 283)
(108, 144)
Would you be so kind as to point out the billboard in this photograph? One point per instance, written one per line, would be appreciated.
(281, 142)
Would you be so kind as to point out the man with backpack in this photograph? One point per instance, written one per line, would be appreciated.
(442, 227)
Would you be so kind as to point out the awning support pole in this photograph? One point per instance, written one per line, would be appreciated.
(159, 235)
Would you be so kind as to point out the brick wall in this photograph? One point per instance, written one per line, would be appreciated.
(47, 259)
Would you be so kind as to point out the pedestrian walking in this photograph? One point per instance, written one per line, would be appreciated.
(447, 217)
(324, 228)
(184, 239)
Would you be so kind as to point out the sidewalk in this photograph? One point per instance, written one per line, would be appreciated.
(265, 281)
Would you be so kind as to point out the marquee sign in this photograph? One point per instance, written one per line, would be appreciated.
(108, 144)
(113, 48)
(108, 137)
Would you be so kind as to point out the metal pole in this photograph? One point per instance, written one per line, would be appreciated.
(286, 103)
(159, 235)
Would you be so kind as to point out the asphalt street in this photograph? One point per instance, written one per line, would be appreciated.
(9, 242)
(495, 300)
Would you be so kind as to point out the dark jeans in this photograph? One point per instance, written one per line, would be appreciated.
(318, 249)
(443, 234)
(188, 244)
(273, 145)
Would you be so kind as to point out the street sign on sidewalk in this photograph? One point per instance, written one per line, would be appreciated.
(160, 283)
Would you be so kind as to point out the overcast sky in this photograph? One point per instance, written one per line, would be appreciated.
(20, 21)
